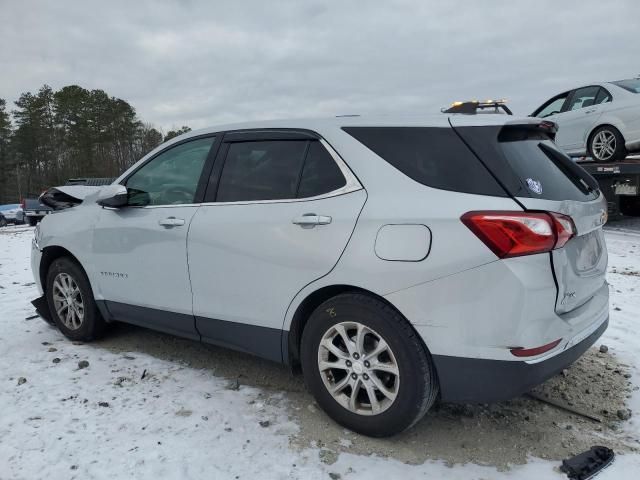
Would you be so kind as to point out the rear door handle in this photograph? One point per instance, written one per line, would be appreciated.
(310, 220)
(586, 112)
(171, 222)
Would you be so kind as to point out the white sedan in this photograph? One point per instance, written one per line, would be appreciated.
(601, 120)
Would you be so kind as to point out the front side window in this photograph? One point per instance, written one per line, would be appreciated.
(552, 107)
(172, 177)
(583, 97)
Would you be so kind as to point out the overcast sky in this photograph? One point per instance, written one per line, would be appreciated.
(200, 63)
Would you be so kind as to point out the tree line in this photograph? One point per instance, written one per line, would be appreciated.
(51, 136)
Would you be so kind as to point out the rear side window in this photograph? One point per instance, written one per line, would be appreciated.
(278, 170)
(320, 174)
(266, 170)
(432, 156)
(632, 85)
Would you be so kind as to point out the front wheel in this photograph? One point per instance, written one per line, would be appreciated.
(366, 367)
(607, 145)
(70, 300)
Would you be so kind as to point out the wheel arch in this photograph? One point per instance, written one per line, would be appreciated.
(292, 341)
(49, 255)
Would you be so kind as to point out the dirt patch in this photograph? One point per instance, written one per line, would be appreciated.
(498, 434)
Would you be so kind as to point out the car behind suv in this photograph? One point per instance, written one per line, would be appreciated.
(395, 260)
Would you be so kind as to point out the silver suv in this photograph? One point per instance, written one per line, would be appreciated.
(396, 261)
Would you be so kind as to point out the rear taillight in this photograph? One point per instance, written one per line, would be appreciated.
(512, 234)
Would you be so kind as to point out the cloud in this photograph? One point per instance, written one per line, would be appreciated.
(201, 63)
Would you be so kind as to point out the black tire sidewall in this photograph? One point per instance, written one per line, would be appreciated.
(412, 360)
(620, 152)
(92, 323)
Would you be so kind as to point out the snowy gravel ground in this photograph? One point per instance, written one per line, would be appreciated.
(130, 413)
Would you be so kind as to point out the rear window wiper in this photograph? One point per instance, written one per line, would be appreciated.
(580, 178)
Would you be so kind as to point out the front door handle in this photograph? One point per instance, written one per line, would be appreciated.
(589, 111)
(310, 220)
(171, 222)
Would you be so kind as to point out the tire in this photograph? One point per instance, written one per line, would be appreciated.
(415, 385)
(83, 324)
(3, 222)
(33, 221)
(606, 144)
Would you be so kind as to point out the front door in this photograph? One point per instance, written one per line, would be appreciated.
(281, 217)
(140, 250)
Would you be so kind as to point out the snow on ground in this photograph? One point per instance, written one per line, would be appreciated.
(108, 420)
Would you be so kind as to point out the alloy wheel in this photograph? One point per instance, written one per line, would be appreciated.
(67, 301)
(604, 145)
(358, 368)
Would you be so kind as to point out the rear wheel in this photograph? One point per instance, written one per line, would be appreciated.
(607, 145)
(366, 367)
(32, 221)
(3, 222)
(71, 302)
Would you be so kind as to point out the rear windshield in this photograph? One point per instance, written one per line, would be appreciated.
(632, 85)
(529, 164)
(432, 156)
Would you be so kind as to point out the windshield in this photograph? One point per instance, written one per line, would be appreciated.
(632, 85)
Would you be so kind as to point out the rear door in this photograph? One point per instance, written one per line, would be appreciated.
(280, 209)
(541, 177)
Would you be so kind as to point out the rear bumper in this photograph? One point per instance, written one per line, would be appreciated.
(481, 380)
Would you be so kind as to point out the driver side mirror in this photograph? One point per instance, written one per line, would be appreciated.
(113, 196)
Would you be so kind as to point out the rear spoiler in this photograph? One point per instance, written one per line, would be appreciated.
(523, 130)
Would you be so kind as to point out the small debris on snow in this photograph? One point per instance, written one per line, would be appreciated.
(83, 364)
(183, 413)
(56, 360)
(31, 317)
(265, 423)
(604, 349)
(52, 349)
(103, 404)
(624, 414)
(22, 381)
(334, 476)
(328, 457)
(234, 385)
(144, 374)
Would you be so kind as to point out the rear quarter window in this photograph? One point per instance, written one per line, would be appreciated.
(433, 156)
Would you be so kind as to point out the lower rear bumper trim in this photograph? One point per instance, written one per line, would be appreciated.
(473, 380)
